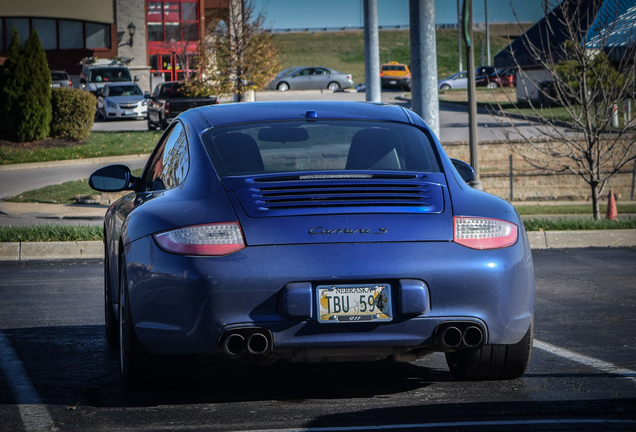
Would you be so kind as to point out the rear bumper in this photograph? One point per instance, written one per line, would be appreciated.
(185, 305)
(391, 82)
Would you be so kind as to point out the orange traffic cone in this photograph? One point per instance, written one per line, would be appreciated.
(611, 207)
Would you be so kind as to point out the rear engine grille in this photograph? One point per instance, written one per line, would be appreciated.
(265, 196)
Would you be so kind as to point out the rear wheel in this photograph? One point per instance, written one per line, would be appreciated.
(136, 364)
(151, 125)
(283, 86)
(492, 362)
(492, 85)
(333, 86)
(110, 321)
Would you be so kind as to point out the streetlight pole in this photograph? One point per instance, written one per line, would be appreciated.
(472, 102)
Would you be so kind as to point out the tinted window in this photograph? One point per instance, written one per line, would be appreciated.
(170, 163)
(109, 74)
(319, 146)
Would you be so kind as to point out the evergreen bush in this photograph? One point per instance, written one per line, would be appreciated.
(11, 88)
(25, 95)
(73, 113)
(36, 99)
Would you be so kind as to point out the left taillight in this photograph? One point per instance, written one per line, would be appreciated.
(484, 233)
(204, 240)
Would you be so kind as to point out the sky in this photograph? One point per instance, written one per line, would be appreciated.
(295, 14)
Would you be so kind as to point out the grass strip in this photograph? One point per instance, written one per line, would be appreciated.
(560, 224)
(50, 233)
(98, 144)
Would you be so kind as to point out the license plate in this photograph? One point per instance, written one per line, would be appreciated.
(127, 112)
(354, 303)
(393, 82)
(55, 85)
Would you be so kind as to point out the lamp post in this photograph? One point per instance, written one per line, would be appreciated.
(131, 32)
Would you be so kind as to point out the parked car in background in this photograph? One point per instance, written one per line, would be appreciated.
(97, 72)
(168, 100)
(312, 231)
(60, 78)
(119, 100)
(458, 80)
(311, 78)
(505, 77)
(395, 75)
(484, 70)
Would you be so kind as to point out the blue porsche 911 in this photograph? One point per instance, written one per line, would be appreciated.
(312, 231)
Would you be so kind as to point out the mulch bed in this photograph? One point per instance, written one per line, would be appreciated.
(45, 143)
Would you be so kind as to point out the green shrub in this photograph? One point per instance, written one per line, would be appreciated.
(73, 113)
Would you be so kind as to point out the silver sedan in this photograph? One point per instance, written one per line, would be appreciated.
(310, 78)
(122, 100)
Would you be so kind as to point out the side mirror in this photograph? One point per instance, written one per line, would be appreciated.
(147, 95)
(83, 80)
(465, 171)
(136, 78)
(111, 178)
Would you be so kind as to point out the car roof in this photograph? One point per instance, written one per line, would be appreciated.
(235, 113)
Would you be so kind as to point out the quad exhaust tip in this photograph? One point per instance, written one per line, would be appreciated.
(246, 341)
(460, 335)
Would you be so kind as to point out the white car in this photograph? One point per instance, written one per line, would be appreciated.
(458, 80)
(122, 100)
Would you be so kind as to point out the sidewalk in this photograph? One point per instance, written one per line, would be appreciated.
(33, 213)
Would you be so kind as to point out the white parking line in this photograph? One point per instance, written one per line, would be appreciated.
(463, 424)
(35, 416)
(586, 360)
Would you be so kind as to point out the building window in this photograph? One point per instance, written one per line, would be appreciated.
(97, 35)
(57, 34)
(22, 25)
(47, 32)
(71, 35)
(173, 21)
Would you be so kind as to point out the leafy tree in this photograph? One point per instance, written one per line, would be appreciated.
(589, 77)
(238, 55)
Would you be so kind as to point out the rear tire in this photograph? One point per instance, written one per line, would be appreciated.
(492, 85)
(492, 362)
(110, 320)
(333, 86)
(151, 125)
(136, 364)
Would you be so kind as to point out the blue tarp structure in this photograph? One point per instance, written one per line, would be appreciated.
(610, 23)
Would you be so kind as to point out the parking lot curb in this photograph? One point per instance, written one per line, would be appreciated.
(30, 251)
(582, 239)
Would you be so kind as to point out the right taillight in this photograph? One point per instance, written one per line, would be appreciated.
(206, 240)
(484, 233)
(166, 108)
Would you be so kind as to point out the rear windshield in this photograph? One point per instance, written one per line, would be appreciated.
(171, 90)
(393, 68)
(59, 76)
(294, 146)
